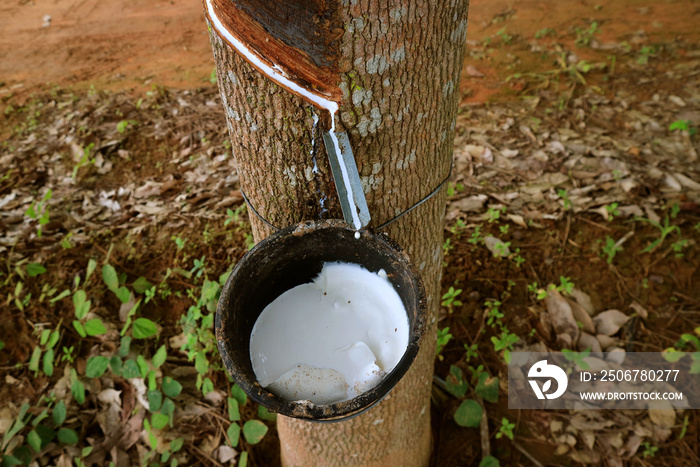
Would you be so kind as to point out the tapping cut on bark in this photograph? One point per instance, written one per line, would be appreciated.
(302, 39)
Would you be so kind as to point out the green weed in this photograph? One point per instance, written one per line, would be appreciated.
(39, 211)
(683, 125)
(611, 248)
(506, 429)
(443, 338)
(649, 450)
(449, 299)
(585, 36)
(544, 32)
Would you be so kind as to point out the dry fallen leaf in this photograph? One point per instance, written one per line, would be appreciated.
(606, 341)
(561, 450)
(587, 341)
(588, 438)
(471, 71)
(470, 203)
(602, 211)
(7, 418)
(590, 421)
(640, 310)
(64, 461)
(150, 188)
(662, 414)
(110, 396)
(583, 299)
(124, 308)
(225, 454)
(616, 355)
(517, 219)
(586, 456)
(687, 182)
(140, 387)
(582, 316)
(610, 321)
(563, 322)
(672, 183)
(110, 421)
(496, 246)
(631, 446)
(215, 398)
(556, 426)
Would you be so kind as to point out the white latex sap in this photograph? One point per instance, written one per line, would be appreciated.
(332, 339)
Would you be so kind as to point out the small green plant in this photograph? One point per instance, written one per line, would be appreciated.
(494, 214)
(16, 297)
(472, 351)
(565, 285)
(683, 125)
(39, 211)
(65, 241)
(179, 242)
(501, 249)
(517, 258)
(506, 429)
(198, 325)
(644, 53)
(505, 37)
(47, 342)
(449, 299)
(665, 229)
(684, 428)
(41, 425)
(534, 289)
(678, 351)
(84, 160)
(505, 342)
(504, 229)
(612, 211)
(443, 337)
(469, 413)
(454, 188)
(447, 246)
(493, 312)
(458, 227)
(611, 248)
(564, 196)
(649, 450)
(578, 358)
(455, 383)
(124, 124)
(544, 32)
(585, 36)
(476, 236)
(212, 76)
(678, 247)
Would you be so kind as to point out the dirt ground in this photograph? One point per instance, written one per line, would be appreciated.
(576, 151)
(131, 45)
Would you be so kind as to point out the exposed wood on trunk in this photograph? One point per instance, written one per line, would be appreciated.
(301, 38)
(399, 68)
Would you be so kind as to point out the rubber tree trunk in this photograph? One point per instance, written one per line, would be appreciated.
(395, 67)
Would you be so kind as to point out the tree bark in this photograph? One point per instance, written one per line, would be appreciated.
(397, 65)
